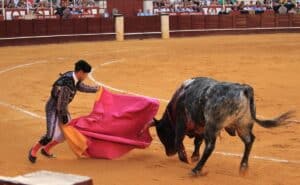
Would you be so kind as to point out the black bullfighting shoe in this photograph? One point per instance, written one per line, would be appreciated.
(44, 153)
(31, 158)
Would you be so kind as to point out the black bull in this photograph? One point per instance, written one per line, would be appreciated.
(200, 108)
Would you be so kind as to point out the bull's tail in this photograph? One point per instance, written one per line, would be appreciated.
(269, 123)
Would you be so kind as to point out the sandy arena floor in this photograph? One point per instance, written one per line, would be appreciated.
(270, 63)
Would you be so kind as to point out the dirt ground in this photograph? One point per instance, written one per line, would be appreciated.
(270, 63)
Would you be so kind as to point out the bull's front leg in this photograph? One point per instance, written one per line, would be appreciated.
(210, 141)
(180, 133)
(197, 142)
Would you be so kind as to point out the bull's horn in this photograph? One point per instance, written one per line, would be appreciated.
(155, 121)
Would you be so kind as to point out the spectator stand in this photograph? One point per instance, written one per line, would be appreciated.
(2, 10)
(14, 13)
(216, 10)
(215, 7)
(49, 13)
(86, 12)
(44, 13)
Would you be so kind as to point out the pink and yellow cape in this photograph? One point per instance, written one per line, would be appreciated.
(111, 129)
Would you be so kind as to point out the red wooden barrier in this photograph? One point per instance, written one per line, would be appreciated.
(151, 24)
(198, 22)
(80, 26)
(253, 21)
(12, 28)
(93, 25)
(107, 25)
(40, 27)
(26, 28)
(268, 20)
(173, 21)
(295, 20)
(211, 22)
(2, 28)
(67, 26)
(240, 21)
(36, 27)
(142, 24)
(282, 20)
(226, 21)
(184, 22)
(133, 24)
(53, 26)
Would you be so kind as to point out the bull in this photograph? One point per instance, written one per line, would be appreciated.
(200, 109)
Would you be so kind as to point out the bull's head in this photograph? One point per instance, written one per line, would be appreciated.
(166, 134)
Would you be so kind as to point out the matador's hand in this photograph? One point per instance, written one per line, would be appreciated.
(65, 119)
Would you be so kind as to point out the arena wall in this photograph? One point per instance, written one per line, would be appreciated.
(83, 29)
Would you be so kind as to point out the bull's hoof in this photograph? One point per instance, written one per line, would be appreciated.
(182, 157)
(195, 158)
(244, 170)
(169, 154)
(185, 160)
(196, 173)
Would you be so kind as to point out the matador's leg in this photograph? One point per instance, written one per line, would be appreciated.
(58, 137)
(46, 139)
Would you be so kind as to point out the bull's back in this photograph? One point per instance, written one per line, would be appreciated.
(192, 89)
(227, 103)
(205, 98)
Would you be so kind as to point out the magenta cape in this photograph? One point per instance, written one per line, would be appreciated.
(111, 129)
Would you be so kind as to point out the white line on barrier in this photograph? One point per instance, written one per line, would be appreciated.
(219, 30)
(236, 29)
(51, 36)
(143, 33)
(151, 33)
(32, 114)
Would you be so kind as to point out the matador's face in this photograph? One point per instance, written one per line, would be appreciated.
(81, 75)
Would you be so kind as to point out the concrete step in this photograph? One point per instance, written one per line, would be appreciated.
(46, 178)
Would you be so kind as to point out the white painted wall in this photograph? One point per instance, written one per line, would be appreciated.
(148, 5)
